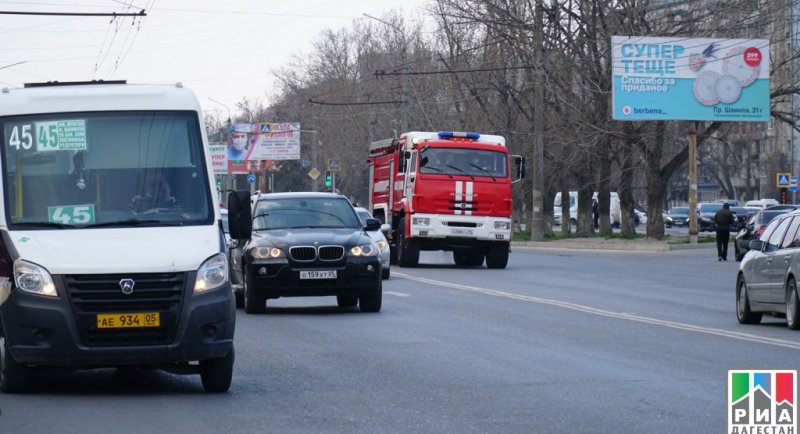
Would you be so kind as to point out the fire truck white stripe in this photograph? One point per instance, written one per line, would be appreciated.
(458, 198)
(469, 197)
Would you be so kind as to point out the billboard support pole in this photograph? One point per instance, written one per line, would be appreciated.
(692, 182)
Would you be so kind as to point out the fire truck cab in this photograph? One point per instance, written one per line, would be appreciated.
(445, 191)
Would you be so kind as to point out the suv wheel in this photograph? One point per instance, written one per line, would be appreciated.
(252, 302)
(372, 302)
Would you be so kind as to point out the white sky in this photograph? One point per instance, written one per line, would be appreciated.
(220, 50)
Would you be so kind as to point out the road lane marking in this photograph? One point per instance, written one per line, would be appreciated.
(396, 294)
(610, 314)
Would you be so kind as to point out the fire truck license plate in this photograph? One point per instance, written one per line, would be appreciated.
(128, 320)
(327, 274)
(461, 232)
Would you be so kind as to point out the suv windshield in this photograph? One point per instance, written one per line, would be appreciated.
(460, 161)
(104, 169)
(293, 213)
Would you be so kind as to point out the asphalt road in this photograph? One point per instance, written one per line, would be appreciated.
(560, 341)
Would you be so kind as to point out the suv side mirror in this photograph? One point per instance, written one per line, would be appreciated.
(240, 216)
(757, 245)
(373, 225)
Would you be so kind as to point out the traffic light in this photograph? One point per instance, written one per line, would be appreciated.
(328, 178)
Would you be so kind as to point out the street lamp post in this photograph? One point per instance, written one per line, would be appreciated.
(404, 122)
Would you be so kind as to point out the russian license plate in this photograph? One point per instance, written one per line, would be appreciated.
(326, 274)
(461, 232)
(128, 320)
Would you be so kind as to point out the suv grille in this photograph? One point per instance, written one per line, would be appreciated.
(331, 253)
(303, 253)
(91, 294)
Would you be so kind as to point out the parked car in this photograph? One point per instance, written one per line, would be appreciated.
(752, 230)
(741, 218)
(784, 206)
(679, 216)
(761, 203)
(307, 244)
(639, 217)
(379, 237)
(667, 219)
(766, 281)
(731, 202)
(705, 215)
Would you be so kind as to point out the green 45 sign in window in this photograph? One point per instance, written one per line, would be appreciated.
(72, 214)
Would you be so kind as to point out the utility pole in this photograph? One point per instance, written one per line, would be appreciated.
(537, 209)
(692, 182)
(404, 121)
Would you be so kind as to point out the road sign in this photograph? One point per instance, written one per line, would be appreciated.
(783, 179)
(333, 165)
(304, 163)
(793, 185)
(251, 179)
(314, 173)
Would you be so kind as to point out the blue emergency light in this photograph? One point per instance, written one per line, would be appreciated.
(451, 134)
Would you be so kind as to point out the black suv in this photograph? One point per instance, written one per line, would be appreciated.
(304, 244)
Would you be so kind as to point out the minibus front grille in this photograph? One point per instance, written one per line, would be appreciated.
(93, 294)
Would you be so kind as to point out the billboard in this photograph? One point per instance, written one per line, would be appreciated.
(257, 142)
(696, 79)
(219, 157)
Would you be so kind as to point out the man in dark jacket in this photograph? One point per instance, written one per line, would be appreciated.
(724, 219)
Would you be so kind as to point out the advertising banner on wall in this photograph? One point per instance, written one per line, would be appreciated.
(249, 142)
(696, 79)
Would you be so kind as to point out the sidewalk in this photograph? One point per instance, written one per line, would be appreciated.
(635, 245)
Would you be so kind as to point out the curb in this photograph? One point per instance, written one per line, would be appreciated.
(612, 245)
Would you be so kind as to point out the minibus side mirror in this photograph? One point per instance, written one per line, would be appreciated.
(240, 216)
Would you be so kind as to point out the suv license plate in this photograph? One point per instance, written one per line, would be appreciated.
(327, 274)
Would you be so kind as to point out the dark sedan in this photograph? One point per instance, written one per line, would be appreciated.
(705, 213)
(741, 215)
(679, 216)
(308, 244)
(753, 229)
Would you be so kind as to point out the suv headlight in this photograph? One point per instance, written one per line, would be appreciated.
(33, 278)
(364, 250)
(212, 274)
(267, 253)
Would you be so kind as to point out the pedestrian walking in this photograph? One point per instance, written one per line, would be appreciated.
(723, 219)
(595, 213)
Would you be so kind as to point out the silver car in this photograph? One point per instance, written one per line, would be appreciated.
(767, 278)
(379, 238)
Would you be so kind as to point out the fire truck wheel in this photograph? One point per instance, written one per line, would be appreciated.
(498, 255)
(408, 249)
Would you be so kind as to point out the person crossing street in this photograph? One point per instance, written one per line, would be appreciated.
(723, 219)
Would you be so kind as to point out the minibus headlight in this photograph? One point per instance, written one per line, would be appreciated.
(33, 278)
(212, 274)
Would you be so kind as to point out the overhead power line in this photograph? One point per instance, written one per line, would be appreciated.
(78, 14)
(382, 73)
(311, 100)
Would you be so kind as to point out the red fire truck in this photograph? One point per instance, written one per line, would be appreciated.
(444, 191)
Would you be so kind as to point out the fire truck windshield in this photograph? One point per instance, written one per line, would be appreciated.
(460, 161)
